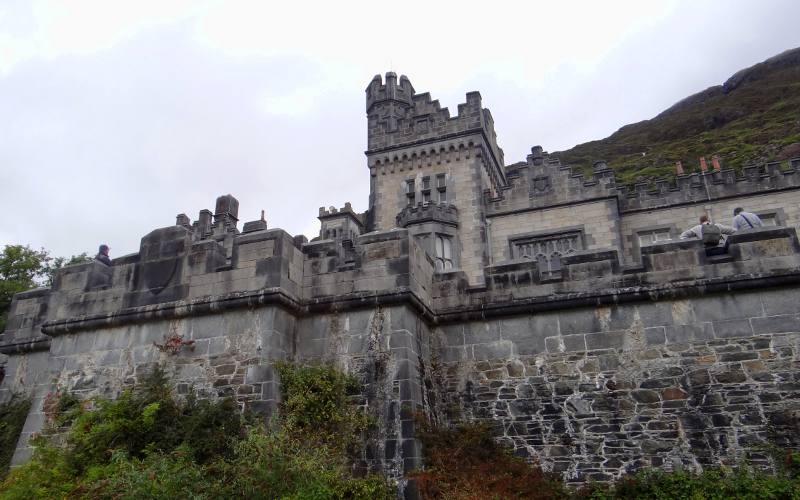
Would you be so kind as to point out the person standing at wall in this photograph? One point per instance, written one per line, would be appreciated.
(745, 220)
(102, 255)
(710, 233)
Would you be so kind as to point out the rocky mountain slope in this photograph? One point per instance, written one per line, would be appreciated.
(751, 118)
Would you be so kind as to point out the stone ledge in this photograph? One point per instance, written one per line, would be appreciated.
(480, 308)
(29, 345)
(169, 310)
(764, 233)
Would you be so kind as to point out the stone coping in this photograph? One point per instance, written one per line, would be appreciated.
(614, 295)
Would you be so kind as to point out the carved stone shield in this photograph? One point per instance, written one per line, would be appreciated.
(541, 184)
(158, 273)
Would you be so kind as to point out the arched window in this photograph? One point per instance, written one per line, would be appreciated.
(444, 253)
(547, 250)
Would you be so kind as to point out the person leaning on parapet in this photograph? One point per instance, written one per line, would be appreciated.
(102, 255)
(710, 233)
(745, 220)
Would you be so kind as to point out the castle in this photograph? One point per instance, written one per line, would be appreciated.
(562, 308)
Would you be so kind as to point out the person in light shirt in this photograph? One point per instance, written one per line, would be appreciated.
(745, 220)
(713, 232)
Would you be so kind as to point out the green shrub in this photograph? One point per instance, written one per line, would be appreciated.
(315, 407)
(147, 444)
(711, 484)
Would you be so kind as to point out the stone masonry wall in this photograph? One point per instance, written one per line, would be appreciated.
(464, 168)
(232, 354)
(223, 355)
(594, 393)
(597, 219)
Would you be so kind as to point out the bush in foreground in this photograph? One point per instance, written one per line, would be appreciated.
(148, 444)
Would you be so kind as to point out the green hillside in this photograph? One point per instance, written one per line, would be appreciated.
(752, 118)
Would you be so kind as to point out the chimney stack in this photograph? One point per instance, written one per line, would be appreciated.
(679, 167)
(715, 163)
(703, 165)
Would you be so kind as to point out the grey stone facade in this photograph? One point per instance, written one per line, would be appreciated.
(561, 309)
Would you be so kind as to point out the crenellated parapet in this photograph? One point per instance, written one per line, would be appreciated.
(710, 185)
(400, 119)
(542, 181)
(342, 224)
(431, 212)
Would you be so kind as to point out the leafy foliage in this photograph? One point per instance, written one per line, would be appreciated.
(315, 407)
(147, 444)
(12, 418)
(21, 268)
(752, 118)
(711, 484)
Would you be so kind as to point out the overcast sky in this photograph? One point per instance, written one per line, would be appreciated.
(115, 117)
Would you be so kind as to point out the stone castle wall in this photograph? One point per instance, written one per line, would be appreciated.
(597, 392)
(615, 354)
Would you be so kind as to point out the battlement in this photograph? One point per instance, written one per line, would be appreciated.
(397, 117)
(542, 181)
(332, 211)
(429, 212)
(710, 185)
(378, 92)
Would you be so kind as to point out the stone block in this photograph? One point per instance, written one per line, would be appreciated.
(110, 339)
(646, 396)
(655, 336)
(527, 327)
(495, 350)
(402, 339)
(787, 323)
(312, 348)
(64, 345)
(359, 321)
(453, 335)
(481, 332)
(781, 301)
(578, 321)
(108, 358)
(732, 329)
(566, 343)
(681, 334)
(403, 318)
(454, 354)
(259, 373)
(605, 340)
(728, 306)
(530, 346)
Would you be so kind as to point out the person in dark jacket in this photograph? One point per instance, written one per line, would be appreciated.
(102, 255)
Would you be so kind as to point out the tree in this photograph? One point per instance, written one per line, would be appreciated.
(21, 268)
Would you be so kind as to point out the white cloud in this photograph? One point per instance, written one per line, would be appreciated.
(117, 116)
